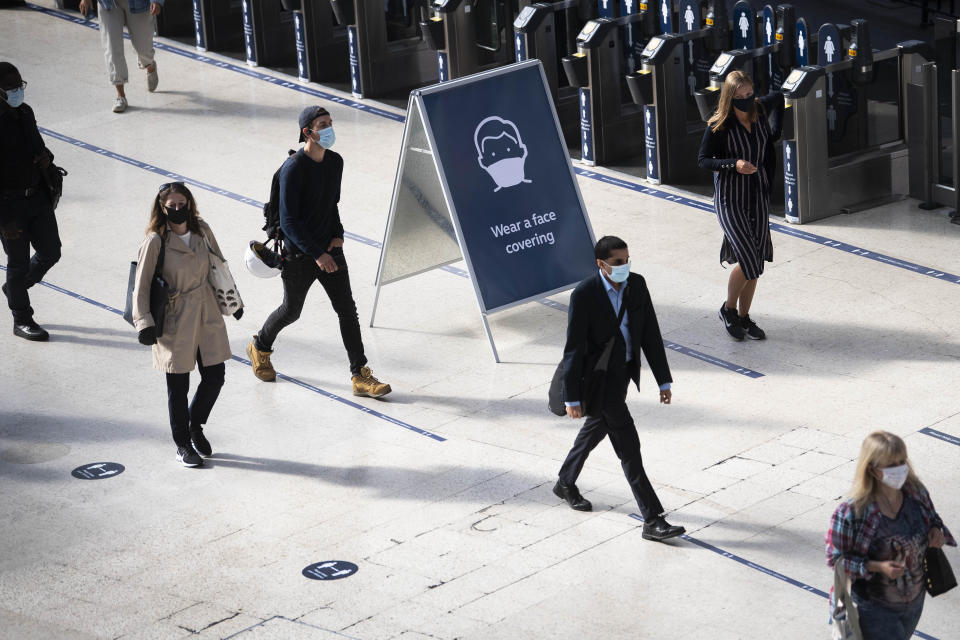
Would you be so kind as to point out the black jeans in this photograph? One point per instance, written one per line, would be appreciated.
(38, 225)
(298, 276)
(614, 419)
(184, 419)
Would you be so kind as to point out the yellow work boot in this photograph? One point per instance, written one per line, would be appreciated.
(366, 385)
(261, 362)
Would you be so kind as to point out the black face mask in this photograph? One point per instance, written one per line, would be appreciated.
(744, 104)
(177, 216)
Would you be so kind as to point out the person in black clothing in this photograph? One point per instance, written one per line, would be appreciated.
(313, 251)
(738, 147)
(26, 212)
(595, 306)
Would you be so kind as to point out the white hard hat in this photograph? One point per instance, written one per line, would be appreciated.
(261, 261)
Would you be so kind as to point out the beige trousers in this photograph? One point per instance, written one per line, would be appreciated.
(141, 27)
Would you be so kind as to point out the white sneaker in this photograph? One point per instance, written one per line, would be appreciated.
(120, 105)
(152, 79)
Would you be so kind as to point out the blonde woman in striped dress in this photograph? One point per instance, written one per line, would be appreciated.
(738, 147)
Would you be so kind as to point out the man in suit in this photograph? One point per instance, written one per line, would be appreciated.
(595, 306)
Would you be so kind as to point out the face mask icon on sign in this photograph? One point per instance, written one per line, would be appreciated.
(500, 151)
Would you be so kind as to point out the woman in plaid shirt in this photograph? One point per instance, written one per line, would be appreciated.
(880, 535)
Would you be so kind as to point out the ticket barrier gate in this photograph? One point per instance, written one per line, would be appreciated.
(388, 52)
(672, 65)
(611, 124)
(847, 153)
(268, 33)
(321, 43)
(936, 133)
(547, 31)
(470, 36)
(218, 25)
(782, 52)
(176, 20)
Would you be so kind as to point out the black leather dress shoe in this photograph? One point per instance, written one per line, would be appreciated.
(30, 330)
(660, 530)
(572, 495)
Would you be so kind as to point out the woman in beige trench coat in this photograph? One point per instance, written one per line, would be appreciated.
(193, 329)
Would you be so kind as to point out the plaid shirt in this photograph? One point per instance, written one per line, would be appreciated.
(849, 537)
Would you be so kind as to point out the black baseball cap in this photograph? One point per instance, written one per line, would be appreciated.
(308, 115)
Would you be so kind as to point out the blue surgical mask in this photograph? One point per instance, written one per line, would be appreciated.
(619, 273)
(325, 137)
(14, 97)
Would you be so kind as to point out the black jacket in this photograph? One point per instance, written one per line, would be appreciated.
(592, 322)
(20, 144)
(713, 148)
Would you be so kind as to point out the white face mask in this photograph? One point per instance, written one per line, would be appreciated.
(507, 172)
(894, 477)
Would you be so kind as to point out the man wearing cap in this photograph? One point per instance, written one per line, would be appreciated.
(26, 212)
(313, 250)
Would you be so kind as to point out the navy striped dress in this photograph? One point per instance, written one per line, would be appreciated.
(742, 202)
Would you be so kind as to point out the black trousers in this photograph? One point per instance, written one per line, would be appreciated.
(183, 418)
(38, 225)
(614, 420)
(298, 276)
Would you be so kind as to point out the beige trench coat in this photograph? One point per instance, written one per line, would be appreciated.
(193, 321)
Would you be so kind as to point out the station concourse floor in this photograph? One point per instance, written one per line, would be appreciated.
(440, 494)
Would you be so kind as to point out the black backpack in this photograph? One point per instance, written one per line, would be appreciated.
(271, 210)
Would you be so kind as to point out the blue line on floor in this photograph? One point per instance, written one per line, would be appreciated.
(237, 68)
(351, 236)
(940, 435)
(764, 570)
(625, 184)
(780, 228)
(282, 376)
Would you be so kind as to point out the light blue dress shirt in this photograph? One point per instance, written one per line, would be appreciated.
(616, 299)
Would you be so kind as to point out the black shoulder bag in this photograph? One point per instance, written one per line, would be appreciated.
(937, 572)
(594, 380)
(159, 292)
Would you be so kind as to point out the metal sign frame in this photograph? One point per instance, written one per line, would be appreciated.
(417, 115)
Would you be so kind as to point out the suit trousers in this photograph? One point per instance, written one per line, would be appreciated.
(613, 419)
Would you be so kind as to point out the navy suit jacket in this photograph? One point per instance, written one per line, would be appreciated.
(592, 322)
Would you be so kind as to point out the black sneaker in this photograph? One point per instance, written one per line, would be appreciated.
(731, 321)
(752, 330)
(188, 457)
(201, 444)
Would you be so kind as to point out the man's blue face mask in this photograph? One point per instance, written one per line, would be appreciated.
(14, 97)
(620, 272)
(325, 137)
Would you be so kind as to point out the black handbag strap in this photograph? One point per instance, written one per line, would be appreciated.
(158, 271)
(604, 360)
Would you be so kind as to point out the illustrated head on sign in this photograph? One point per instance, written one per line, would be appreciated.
(500, 151)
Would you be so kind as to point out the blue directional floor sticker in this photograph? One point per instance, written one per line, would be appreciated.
(330, 570)
(98, 470)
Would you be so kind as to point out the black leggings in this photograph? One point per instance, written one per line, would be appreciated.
(184, 419)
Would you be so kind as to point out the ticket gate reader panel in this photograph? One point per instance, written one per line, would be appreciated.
(537, 35)
(471, 35)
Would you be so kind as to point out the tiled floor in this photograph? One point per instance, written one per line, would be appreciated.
(458, 535)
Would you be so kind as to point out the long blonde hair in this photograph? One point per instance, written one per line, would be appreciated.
(732, 84)
(879, 449)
